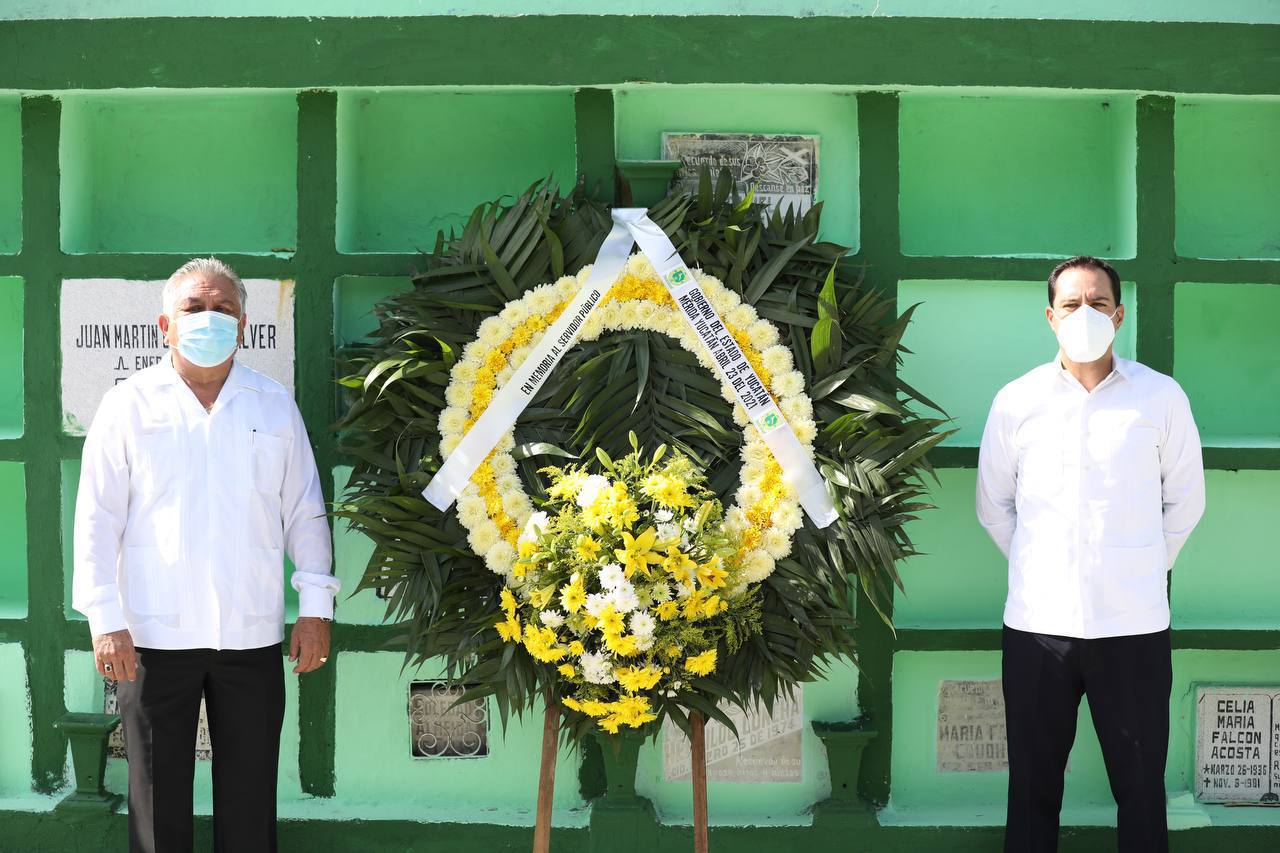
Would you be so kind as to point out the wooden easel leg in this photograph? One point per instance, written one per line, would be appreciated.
(698, 744)
(546, 778)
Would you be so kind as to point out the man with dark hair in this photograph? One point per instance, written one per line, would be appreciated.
(1089, 481)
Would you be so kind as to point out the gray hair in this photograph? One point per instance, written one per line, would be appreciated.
(211, 267)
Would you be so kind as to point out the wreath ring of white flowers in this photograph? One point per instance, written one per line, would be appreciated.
(494, 507)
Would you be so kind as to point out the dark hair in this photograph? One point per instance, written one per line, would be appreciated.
(1085, 262)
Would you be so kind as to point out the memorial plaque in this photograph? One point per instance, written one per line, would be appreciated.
(109, 332)
(782, 168)
(971, 730)
(116, 745)
(1238, 744)
(766, 748)
(440, 729)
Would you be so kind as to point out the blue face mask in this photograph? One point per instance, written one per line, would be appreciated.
(207, 338)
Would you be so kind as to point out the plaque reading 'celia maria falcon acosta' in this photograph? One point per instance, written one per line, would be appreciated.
(782, 167)
(1238, 744)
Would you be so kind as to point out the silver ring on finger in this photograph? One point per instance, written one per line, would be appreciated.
(108, 667)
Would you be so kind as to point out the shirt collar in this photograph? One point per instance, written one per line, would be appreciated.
(1122, 367)
(239, 376)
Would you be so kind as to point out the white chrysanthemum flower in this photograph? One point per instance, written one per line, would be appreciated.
(502, 464)
(787, 516)
(777, 360)
(690, 523)
(796, 408)
(632, 314)
(493, 331)
(763, 334)
(551, 618)
(508, 483)
(806, 431)
(642, 623)
(596, 668)
(722, 299)
(506, 444)
(740, 415)
(591, 487)
(660, 592)
(515, 313)
(474, 353)
(662, 515)
(788, 384)
(776, 542)
(644, 643)
(741, 317)
(448, 444)
(755, 455)
(519, 354)
(470, 515)
(756, 566)
(452, 420)
(464, 371)
(459, 394)
(567, 286)
(612, 576)
(623, 597)
(736, 516)
(682, 591)
(640, 266)
(483, 537)
(470, 499)
(592, 328)
(668, 531)
(500, 557)
(596, 602)
(538, 524)
(541, 300)
(504, 374)
(749, 493)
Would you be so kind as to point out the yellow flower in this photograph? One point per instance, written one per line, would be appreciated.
(509, 630)
(526, 548)
(667, 610)
(566, 669)
(678, 564)
(624, 646)
(666, 490)
(592, 708)
(715, 604)
(635, 679)
(588, 548)
(573, 596)
(540, 642)
(693, 605)
(702, 664)
(577, 649)
(671, 651)
(711, 574)
(571, 703)
(508, 603)
(637, 552)
(568, 485)
(540, 598)
(610, 620)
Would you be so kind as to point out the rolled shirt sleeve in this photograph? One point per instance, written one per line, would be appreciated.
(995, 500)
(1181, 476)
(102, 507)
(306, 528)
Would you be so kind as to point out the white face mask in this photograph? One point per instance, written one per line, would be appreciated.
(1086, 333)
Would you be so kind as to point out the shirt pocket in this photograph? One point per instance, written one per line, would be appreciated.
(151, 464)
(1133, 457)
(150, 583)
(268, 460)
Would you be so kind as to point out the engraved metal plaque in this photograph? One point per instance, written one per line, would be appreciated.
(782, 167)
(971, 728)
(109, 332)
(767, 748)
(440, 729)
(115, 743)
(1238, 744)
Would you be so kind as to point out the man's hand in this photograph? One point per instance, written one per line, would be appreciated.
(114, 655)
(309, 643)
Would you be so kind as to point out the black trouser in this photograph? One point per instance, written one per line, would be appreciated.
(1127, 680)
(244, 699)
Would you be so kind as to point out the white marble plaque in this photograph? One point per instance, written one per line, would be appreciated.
(766, 749)
(782, 167)
(109, 332)
(971, 729)
(115, 743)
(1238, 744)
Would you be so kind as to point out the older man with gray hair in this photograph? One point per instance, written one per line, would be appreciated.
(197, 478)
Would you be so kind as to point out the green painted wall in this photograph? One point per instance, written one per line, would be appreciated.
(1021, 175)
(943, 193)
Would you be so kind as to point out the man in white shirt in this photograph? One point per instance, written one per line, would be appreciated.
(1089, 480)
(196, 479)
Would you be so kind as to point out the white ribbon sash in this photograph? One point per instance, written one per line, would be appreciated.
(633, 225)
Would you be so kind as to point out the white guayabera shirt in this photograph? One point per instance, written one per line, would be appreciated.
(1090, 496)
(184, 516)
